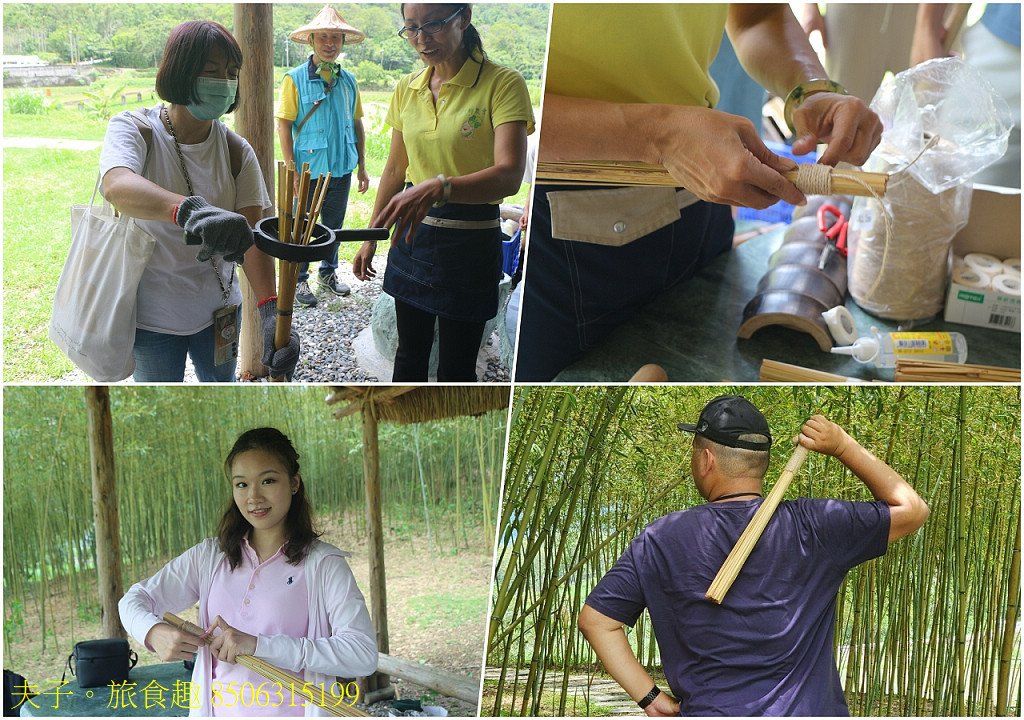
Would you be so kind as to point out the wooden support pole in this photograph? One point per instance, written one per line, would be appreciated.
(105, 508)
(254, 30)
(375, 529)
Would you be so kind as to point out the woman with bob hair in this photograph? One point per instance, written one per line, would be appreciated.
(266, 586)
(193, 186)
(458, 147)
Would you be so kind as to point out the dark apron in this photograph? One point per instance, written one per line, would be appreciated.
(449, 272)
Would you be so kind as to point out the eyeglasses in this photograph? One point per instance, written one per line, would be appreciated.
(430, 28)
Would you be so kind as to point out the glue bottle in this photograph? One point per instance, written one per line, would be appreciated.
(883, 349)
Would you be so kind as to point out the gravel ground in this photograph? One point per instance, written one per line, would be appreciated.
(328, 331)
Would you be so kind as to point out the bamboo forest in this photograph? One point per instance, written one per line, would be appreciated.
(929, 628)
(439, 491)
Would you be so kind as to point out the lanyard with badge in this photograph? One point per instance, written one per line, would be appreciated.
(225, 319)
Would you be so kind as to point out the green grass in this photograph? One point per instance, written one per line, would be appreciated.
(447, 608)
(59, 123)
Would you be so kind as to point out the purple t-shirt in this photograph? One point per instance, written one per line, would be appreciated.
(767, 649)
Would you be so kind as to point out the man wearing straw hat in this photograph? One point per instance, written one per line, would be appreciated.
(767, 649)
(319, 121)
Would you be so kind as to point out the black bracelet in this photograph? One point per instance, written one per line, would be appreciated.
(649, 697)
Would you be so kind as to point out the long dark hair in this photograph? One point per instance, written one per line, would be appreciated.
(298, 523)
(472, 43)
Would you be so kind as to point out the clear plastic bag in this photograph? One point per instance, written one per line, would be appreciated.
(900, 255)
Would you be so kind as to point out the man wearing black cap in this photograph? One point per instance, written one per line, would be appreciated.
(767, 649)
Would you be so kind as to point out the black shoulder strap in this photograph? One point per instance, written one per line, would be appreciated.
(235, 152)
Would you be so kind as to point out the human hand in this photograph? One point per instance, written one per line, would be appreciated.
(720, 158)
(281, 362)
(407, 209)
(362, 263)
(171, 644)
(221, 232)
(363, 179)
(664, 705)
(230, 643)
(851, 129)
(822, 435)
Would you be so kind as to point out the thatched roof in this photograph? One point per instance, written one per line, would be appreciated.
(403, 404)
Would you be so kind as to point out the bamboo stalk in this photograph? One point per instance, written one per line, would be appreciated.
(745, 545)
(634, 173)
(275, 674)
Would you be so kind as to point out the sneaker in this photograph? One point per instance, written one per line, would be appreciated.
(330, 282)
(304, 295)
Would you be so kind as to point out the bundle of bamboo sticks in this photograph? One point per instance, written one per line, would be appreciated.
(748, 539)
(330, 702)
(775, 371)
(953, 373)
(597, 173)
(294, 227)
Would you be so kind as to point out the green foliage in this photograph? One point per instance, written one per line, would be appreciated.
(103, 106)
(133, 34)
(14, 621)
(372, 76)
(24, 103)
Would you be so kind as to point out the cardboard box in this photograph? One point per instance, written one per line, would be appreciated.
(993, 228)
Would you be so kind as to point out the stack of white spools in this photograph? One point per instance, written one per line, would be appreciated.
(981, 271)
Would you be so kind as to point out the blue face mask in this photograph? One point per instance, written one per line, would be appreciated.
(215, 97)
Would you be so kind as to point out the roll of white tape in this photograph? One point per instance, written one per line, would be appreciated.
(969, 277)
(1007, 284)
(984, 263)
(840, 324)
(1012, 265)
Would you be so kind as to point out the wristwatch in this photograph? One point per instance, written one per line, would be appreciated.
(649, 697)
(800, 93)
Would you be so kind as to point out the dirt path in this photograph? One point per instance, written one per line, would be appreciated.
(437, 609)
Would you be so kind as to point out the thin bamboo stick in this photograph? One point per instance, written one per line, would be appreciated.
(745, 545)
(944, 372)
(774, 371)
(275, 674)
(645, 174)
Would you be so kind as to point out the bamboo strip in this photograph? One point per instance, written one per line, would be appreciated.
(275, 674)
(745, 545)
(954, 373)
(775, 371)
(644, 174)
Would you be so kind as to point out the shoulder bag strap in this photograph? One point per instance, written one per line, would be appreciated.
(235, 153)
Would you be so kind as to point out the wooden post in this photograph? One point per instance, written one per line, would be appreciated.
(254, 120)
(104, 508)
(375, 528)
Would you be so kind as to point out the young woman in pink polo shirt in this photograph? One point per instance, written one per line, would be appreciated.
(266, 586)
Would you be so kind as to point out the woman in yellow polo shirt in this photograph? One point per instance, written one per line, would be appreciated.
(458, 147)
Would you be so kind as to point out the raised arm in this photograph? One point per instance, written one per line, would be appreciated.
(609, 641)
(907, 511)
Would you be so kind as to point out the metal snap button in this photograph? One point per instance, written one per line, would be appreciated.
(619, 227)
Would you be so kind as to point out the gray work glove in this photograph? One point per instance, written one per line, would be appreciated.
(221, 232)
(283, 361)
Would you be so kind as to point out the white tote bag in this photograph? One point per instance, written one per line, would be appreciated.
(93, 320)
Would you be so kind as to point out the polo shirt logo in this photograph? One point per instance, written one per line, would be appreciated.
(472, 122)
(290, 581)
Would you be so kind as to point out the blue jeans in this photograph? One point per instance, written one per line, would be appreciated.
(576, 293)
(332, 214)
(160, 357)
